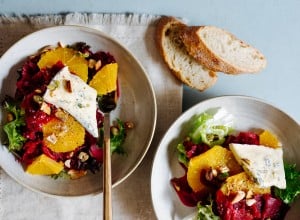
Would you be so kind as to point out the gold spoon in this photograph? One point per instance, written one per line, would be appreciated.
(107, 103)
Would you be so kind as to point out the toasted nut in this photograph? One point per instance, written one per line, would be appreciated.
(68, 163)
(38, 91)
(250, 202)
(238, 197)
(249, 194)
(129, 125)
(68, 86)
(83, 156)
(223, 169)
(52, 138)
(76, 174)
(91, 63)
(60, 44)
(98, 65)
(46, 108)
(210, 174)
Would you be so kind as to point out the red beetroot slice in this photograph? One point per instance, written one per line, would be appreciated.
(266, 206)
(184, 191)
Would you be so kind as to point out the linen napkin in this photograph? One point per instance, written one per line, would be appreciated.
(131, 199)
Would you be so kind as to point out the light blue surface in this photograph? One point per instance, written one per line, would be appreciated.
(273, 26)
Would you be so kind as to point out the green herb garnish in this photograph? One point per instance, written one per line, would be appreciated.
(292, 189)
(14, 126)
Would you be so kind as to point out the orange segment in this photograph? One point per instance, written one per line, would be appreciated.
(105, 80)
(63, 134)
(73, 59)
(44, 165)
(267, 138)
(215, 157)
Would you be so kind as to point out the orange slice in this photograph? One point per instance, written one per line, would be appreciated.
(215, 157)
(73, 59)
(63, 134)
(44, 165)
(105, 80)
(267, 138)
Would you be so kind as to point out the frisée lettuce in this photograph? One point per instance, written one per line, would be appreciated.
(208, 129)
(212, 128)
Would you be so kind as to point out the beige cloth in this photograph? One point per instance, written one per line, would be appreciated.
(132, 198)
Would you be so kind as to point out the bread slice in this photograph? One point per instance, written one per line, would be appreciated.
(181, 64)
(221, 51)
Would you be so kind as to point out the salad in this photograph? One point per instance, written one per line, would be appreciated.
(233, 174)
(54, 125)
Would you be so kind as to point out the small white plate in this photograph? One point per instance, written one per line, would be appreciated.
(137, 104)
(249, 113)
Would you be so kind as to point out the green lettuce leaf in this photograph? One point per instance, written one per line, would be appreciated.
(13, 128)
(292, 190)
(205, 212)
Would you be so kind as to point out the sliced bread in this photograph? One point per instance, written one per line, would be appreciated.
(221, 51)
(181, 64)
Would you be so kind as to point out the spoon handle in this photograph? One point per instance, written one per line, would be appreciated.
(107, 203)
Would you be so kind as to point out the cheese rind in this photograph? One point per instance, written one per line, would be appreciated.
(71, 93)
(263, 163)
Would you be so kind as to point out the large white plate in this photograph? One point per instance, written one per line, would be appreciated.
(137, 104)
(249, 113)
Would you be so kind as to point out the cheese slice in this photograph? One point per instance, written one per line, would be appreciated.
(263, 163)
(71, 93)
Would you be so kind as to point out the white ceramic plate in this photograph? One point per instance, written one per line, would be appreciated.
(137, 104)
(249, 113)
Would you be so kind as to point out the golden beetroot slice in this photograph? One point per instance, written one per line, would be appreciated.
(242, 182)
(43, 165)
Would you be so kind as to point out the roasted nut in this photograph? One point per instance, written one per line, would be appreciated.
(52, 138)
(68, 163)
(250, 202)
(210, 174)
(91, 63)
(38, 91)
(76, 174)
(46, 108)
(98, 65)
(60, 44)
(223, 169)
(83, 156)
(238, 197)
(249, 194)
(128, 125)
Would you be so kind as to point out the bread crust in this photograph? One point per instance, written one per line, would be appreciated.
(200, 51)
(168, 24)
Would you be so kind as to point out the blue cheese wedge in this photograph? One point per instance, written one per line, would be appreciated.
(264, 164)
(71, 93)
